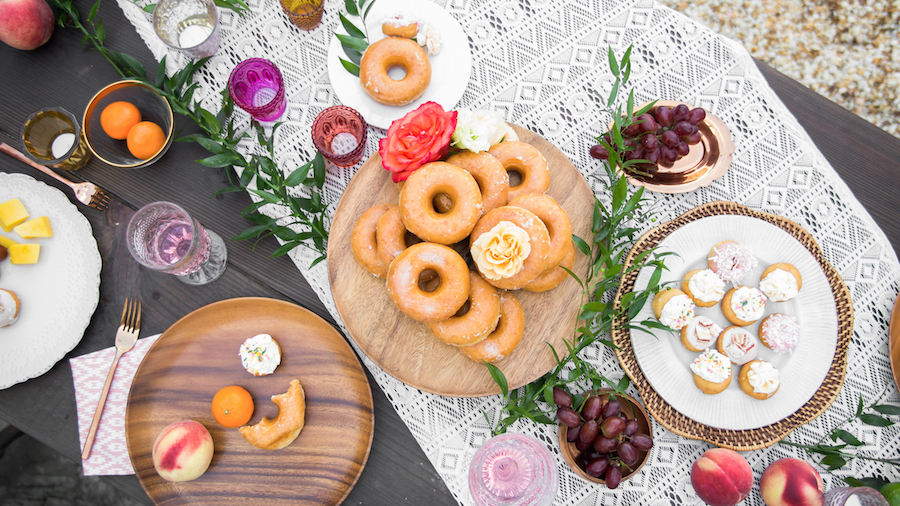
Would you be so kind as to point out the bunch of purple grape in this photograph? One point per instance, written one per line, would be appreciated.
(662, 135)
(606, 439)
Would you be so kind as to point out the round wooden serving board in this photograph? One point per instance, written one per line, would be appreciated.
(198, 355)
(405, 348)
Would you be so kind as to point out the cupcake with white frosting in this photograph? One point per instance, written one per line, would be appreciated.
(700, 333)
(704, 287)
(260, 355)
(9, 307)
(739, 345)
(743, 305)
(712, 372)
(780, 282)
(673, 308)
(759, 379)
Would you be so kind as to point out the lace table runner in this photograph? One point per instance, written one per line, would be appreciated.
(534, 61)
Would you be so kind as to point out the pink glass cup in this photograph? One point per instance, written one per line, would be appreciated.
(339, 133)
(513, 470)
(162, 236)
(256, 86)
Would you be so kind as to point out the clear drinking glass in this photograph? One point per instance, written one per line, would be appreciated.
(305, 14)
(854, 496)
(53, 137)
(162, 236)
(189, 26)
(256, 86)
(339, 133)
(513, 469)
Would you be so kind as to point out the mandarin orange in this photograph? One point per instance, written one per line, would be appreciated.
(232, 406)
(117, 118)
(145, 139)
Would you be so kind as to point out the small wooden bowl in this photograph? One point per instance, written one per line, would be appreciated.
(632, 410)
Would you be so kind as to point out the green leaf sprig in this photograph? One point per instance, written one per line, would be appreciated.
(614, 230)
(300, 192)
(356, 40)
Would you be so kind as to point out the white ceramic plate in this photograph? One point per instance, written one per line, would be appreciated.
(450, 70)
(665, 362)
(59, 293)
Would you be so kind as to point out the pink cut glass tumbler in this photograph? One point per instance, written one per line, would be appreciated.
(256, 86)
(339, 133)
(163, 237)
(513, 469)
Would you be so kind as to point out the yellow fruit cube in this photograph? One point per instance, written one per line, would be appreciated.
(6, 241)
(38, 227)
(20, 254)
(12, 212)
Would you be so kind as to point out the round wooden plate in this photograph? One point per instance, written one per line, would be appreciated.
(894, 341)
(198, 355)
(405, 348)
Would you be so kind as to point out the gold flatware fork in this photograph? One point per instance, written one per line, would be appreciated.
(88, 194)
(127, 335)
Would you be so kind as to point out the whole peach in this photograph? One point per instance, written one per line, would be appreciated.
(25, 24)
(791, 482)
(722, 477)
(182, 451)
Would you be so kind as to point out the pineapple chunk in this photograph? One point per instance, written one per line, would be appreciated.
(20, 254)
(12, 213)
(38, 227)
(6, 241)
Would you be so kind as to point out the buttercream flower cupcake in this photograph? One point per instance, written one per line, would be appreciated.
(780, 282)
(779, 332)
(731, 261)
(260, 355)
(673, 308)
(743, 305)
(712, 372)
(700, 333)
(704, 287)
(739, 345)
(759, 379)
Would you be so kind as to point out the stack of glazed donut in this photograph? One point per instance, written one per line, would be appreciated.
(421, 246)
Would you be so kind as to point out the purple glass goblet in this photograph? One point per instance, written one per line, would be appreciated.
(257, 87)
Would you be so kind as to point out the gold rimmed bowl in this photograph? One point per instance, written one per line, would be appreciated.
(153, 106)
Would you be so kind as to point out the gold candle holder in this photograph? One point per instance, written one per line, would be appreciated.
(52, 137)
(305, 14)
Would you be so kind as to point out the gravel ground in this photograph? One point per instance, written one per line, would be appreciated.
(848, 51)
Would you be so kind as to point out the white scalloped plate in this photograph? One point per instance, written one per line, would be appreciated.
(59, 293)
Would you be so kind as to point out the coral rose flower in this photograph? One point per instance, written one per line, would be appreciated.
(422, 136)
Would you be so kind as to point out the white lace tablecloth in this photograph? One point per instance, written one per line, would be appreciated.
(534, 62)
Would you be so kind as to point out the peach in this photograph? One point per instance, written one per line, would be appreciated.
(722, 477)
(25, 24)
(791, 482)
(182, 451)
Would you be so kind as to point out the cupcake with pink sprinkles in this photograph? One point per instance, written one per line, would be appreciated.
(780, 332)
(731, 261)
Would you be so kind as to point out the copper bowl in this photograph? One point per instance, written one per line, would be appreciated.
(707, 160)
(632, 409)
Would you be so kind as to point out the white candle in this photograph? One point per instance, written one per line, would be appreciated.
(343, 143)
(193, 35)
(61, 144)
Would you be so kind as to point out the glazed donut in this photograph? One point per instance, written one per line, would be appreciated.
(554, 217)
(477, 321)
(363, 239)
(403, 279)
(553, 277)
(505, 338)
(492, 178)
(528, 162)
(417, 203)
(398, 27)
(539, 239)
(394, 52)
(390, 237)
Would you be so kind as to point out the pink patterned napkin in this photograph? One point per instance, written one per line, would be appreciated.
(109, 454)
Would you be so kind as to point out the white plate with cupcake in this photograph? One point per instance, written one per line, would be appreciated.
(754, 319)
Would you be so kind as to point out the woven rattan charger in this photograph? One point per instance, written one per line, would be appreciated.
(749, 439)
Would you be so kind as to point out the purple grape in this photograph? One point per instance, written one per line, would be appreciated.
(650, 142)
(588, 432)
(600, 153)
(694, 138)
(636, 153)
(572, 433)
(642, 441)
(682, 128)
(667, 154)
(627, 453)
(631, 130)
(611, 409)
(670, 139)
(683, 149)
(581, 460)
(568, 417)
(612, 426)
(696, 116)
(631, 428)
(560, 397)
(591, 408)
(604, 444)
(681, 112)
(647, 123)
(613, 476)
(597, 467)
(664, 116)
(652, 156)
(582, 446)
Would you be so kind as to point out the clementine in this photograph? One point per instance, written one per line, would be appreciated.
(145, 139)
(232, 406)
(117, 118)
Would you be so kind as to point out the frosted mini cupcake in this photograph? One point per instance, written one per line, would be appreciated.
(700, 333)
(704, 287)
(779, 332)
(738, 345)
(780, 282)
(743, 305)
(9, 307)
(731, 261)
(712, 372)
(673, 308)
(260, 355)
(759, 379)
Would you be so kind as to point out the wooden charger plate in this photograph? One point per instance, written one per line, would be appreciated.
(894, 341)
(405, 348)
(198, 355)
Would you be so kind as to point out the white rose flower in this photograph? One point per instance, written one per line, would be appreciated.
(478, 130)
(429, 37)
